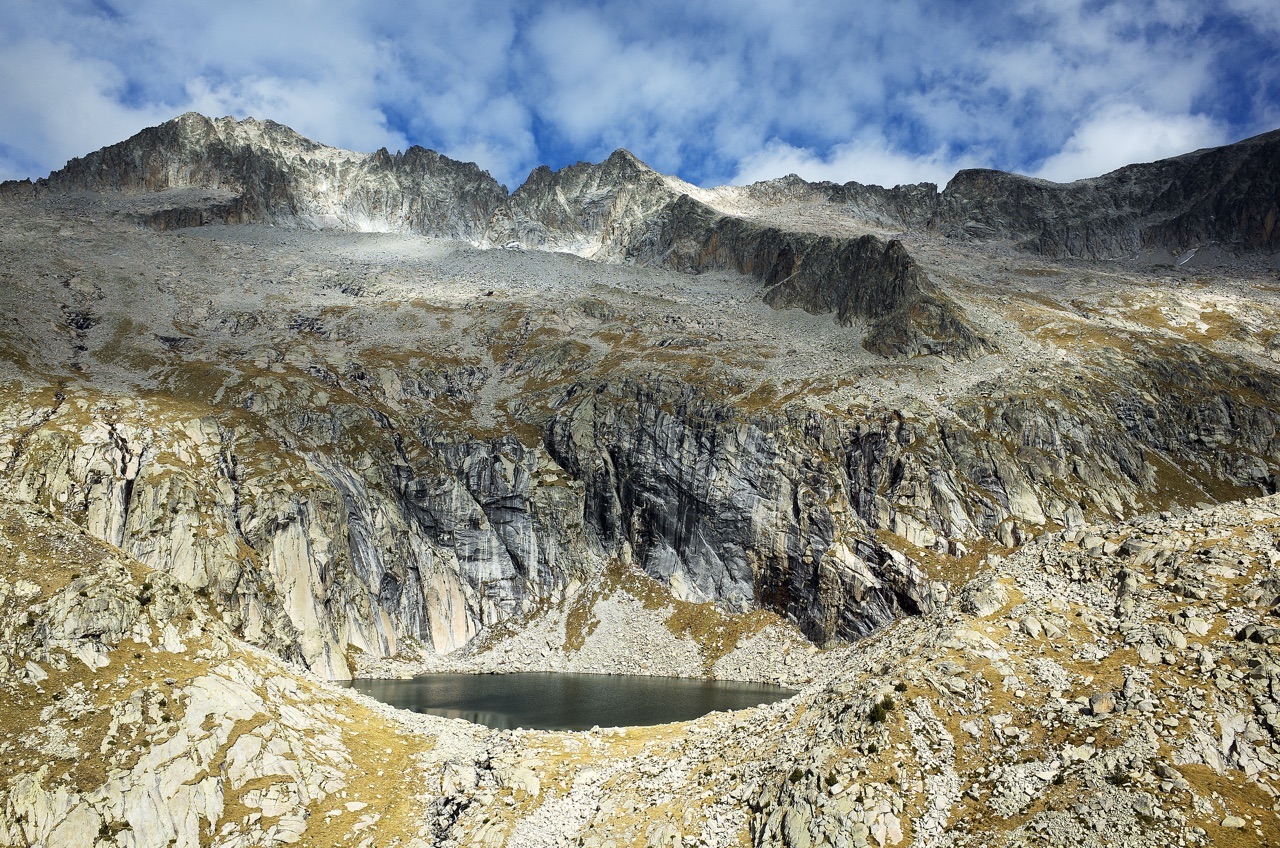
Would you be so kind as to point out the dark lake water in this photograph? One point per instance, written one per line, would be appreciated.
(547, 701)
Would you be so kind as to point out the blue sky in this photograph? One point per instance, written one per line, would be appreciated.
(716, 91)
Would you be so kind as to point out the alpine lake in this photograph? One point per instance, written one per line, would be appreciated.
(556, 701)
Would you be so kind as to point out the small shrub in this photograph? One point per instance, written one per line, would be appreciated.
(880, 711)
(900, 686)
(796, 776)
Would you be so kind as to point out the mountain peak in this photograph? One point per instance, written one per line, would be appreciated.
(622, 156)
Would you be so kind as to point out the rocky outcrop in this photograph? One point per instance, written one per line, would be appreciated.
(309, 556)
(607, 211)
(729, 510)
(280, 177)
(1227, 195)
(132, 716)
(622, 211)
(855, 279)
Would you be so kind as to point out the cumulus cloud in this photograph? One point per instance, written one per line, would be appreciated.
(58, 105)
(1124, 134)
(713, 90)
(870, 162)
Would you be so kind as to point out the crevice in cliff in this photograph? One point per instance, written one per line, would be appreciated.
(24, 436)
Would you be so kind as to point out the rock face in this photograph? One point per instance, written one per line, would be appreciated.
(731, 511)
(279, 177)
(856, 279)
(347, 454)
(1226, 195)
(607, 212)
(315, 558)
(622, 211)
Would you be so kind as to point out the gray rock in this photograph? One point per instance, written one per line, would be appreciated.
(985, 597)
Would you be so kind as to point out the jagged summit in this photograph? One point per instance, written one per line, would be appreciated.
(277, 176)
(610, 210)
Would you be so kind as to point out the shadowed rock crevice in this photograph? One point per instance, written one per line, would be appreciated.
(732, 511)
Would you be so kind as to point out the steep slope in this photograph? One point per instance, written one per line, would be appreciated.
(273, 175)
(133, 717)
(623, 211)
(861, 279)
(1227, 195)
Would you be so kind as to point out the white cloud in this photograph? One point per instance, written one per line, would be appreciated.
(1122, 134)
(711, 89)
(1262, 14)
(870, 162)
(318, 110)
(57, 105)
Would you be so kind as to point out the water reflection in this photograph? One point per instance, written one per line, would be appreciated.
(549, 701)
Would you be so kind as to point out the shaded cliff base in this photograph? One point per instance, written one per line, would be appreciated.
(623, 622)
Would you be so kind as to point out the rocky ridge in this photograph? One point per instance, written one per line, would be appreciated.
(1224, 196)
(270, 174)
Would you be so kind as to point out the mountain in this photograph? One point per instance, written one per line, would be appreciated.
(1226, 195)
(275, 176)
(273, 414)
(619, 210)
